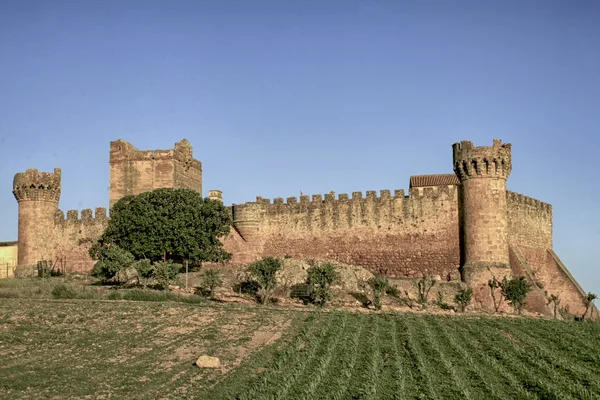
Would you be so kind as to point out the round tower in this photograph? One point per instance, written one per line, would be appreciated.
(37, 194)
(484, 223)
(215, 195)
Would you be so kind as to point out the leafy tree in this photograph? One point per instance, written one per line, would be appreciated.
(463, 298)
(588, 301)
(178, 222)
(210, 281)
(320, 278)
(515, 291)
(111, 259)
(264, 271)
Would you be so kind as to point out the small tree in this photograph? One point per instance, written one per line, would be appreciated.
(463, 298)
(264, 271)
(588, 301)
(555, 300)
(424, 286)
(515, 291)
(494, 285)
(320, 278)
(210, 281)
(378, 284)
(111, 259)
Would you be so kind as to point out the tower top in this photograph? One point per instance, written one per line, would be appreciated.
(37, 186)
(482, 162)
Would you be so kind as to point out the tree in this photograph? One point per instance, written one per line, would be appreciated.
(588, 301)
(178, 223)
(494, 284)
(264, 271)
(463, 298)
(320, 278)
(424, 286)
(515, 291)
(554, 299)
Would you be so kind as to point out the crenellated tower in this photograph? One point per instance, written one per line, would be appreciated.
(483, 172)
(38, 194)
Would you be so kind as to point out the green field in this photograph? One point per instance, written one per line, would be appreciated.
(146, 350)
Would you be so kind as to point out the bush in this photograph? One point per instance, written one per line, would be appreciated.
(588, 301)
(210, 281)
(378, 284)
(264, 271)
(144, 269)
(165, 272)
(114, 295)
(463, 298)
(515, 291)
(424, 286)
(320, 278)
(111, 259)
(63, 291)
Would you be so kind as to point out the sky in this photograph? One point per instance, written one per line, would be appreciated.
(281, 97)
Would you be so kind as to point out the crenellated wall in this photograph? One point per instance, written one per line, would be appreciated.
(529, 221)
(398, 235)
(74, 235)
(134, 171)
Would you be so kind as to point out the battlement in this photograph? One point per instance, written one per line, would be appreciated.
(37, 186)
(517, 198)
(121, 151)
(215, 195)
(482, 162)
(370, 195)
(87, 218)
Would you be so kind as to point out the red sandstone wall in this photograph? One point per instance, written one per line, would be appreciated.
(73, 237)
(530, 230)
(398, 236)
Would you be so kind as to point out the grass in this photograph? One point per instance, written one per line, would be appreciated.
(60, 338)
(144, 350)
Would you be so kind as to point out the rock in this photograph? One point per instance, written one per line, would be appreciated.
(208, 362)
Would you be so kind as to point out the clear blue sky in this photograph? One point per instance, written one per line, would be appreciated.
(279, 97)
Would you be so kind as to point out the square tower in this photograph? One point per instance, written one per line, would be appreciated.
(134, 171)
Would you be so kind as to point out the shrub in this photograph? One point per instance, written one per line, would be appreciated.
(63, 291)
(463, 298)
(210, 281)
(144, 269)
(111, 259)
(165, 272)
(515, 291)
(424, 286)
(555, 300)
(588, 301)
(114, 295)
(265, 272)
(320, 278)
(378, 284)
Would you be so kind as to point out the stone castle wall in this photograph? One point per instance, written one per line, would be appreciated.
(73, 237)
(134, 171)
(399, 236)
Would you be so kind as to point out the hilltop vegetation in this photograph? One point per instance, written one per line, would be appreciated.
(139, 350)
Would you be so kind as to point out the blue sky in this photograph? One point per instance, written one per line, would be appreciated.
(281, 97)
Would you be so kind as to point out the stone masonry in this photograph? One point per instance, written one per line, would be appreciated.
(464, 225)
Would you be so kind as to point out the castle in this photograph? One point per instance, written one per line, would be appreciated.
(460, 226)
